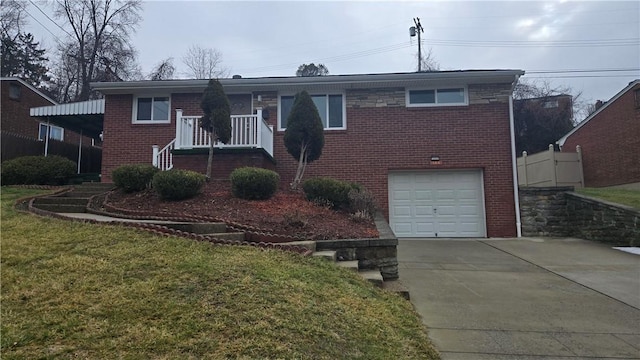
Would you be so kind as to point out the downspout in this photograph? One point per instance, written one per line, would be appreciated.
(514, 166)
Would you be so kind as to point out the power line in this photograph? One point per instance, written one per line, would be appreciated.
(55, 37)
(50, 19)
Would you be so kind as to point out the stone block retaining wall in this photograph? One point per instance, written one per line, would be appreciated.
(372, 254)
(559, 212)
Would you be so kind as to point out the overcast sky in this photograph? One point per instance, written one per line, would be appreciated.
(271, 38)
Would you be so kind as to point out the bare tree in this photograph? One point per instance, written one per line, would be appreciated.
(99, 46)
(204, 63)
(12, 18)
(428, 62)
(163, 71)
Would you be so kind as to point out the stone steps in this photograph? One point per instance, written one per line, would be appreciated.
(59, 200)
(199, 228)
(62, 208)
(235, 236)
(373, 276)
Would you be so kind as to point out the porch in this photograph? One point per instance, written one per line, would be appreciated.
(247, 132)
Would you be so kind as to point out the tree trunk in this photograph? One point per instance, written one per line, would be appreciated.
(300, 170)
(210, 159)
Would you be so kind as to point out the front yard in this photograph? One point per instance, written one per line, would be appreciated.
(95, 291)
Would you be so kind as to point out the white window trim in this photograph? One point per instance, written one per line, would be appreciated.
(49, 133)
(464, 87)
(134, 110)
(344, 109)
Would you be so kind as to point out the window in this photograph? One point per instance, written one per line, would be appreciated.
(15, 91)
(436, 97)
(550, 104)
(330, 107)
(151, 109)
(637, 95)
(57, 133)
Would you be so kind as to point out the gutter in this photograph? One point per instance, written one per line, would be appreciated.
(514, 165)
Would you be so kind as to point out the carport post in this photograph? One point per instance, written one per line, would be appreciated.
(80, 151)
(46, 138)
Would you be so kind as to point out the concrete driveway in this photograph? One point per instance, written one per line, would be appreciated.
(525, 298)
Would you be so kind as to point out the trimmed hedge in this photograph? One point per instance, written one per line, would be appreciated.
(178, 184)
(133, 178)
(38, 170)
(330, 191)
(254, 183)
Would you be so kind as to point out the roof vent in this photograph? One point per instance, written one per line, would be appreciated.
(236, 77)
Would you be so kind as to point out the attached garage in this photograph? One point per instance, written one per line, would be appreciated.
(437, 203)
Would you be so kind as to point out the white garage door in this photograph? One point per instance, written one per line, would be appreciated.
(437, 204)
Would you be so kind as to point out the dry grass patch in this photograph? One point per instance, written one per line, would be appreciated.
(619, 196)
(92, 291)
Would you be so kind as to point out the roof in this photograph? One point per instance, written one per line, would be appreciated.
(562, 140)
(31, 87)
(329, 82)
(86, 116)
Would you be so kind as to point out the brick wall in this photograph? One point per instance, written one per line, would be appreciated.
(610, 144)
(15, 113)
(380, 137)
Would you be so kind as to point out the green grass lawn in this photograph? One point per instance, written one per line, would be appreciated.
(97, 291)
(620, 196)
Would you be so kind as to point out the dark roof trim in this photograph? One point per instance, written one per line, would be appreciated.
(332, 81)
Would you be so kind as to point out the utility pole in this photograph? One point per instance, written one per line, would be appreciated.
(412, 32)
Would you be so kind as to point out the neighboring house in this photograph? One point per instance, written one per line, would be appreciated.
(434, 148)
(18, 97)
(21, 133)
(610, 140)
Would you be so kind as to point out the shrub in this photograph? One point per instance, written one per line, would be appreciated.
(362, 203)
(132, 178)
(326, 190)
(178, 184)
(38, 170)
(254, 183)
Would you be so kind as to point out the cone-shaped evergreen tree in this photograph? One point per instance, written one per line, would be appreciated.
(304, 136)
(217, 117)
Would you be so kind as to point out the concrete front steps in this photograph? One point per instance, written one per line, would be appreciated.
(213, 229)
(74, 201)
(373, 276)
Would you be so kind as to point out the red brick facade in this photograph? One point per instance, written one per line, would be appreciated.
(380, 136)
(610, 142)
(15, 113)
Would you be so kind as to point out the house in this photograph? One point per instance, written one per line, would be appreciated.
(24, 135)
(610, 141)
(435, 148)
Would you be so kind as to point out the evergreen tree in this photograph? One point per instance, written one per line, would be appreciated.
(22, 58)
(217, 117)
(304, 136)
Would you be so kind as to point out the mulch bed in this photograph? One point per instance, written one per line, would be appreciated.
(287, 213)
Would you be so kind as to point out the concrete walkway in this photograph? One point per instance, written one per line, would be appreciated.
(525, 298)
(103, 218)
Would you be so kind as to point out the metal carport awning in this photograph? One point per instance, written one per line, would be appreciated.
(84, 117)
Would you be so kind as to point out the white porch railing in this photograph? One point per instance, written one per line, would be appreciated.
(163, 158)
(247, 131)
